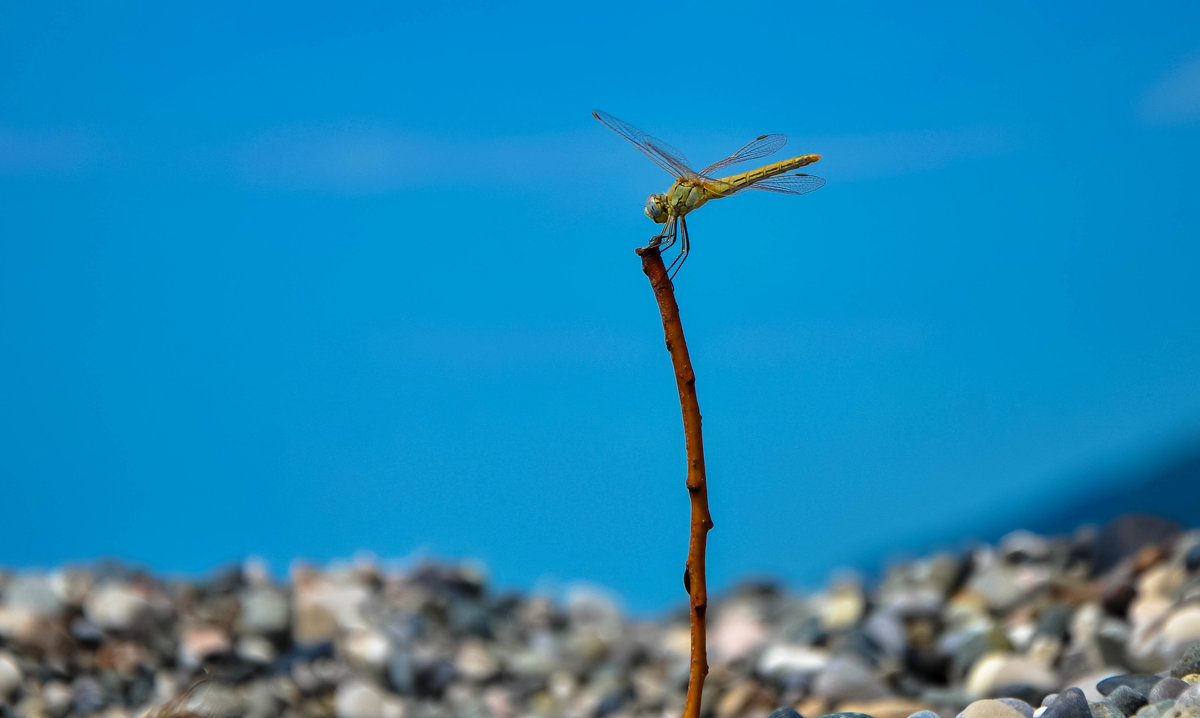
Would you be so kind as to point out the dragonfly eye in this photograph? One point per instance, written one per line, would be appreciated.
(656, 208)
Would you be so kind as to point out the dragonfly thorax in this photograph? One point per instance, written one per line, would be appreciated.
(656, 208)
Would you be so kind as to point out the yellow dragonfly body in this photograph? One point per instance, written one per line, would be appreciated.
(692, 189)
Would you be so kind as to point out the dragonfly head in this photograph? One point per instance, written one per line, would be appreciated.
(656, 208)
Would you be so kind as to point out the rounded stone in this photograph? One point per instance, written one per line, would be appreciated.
(1022, 707)
(991, 708)
(846, 679)
(1127, 700)
(1188, 663)
(10, 676)
(997, 670)
(115, 607)
(1140, 682)
(1070, 703)
(1190, 697)
(358, 699)
(264, 610)
(1167, 689)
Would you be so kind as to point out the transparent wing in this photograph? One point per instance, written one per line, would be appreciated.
(788, 184)
(664, 155)
(759, 147)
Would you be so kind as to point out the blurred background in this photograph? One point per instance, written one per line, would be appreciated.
(284, 281)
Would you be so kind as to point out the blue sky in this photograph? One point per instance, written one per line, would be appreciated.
(291, 281)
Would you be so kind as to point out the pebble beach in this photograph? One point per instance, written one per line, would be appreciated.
(1102, 622)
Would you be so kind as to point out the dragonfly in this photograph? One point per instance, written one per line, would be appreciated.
(692, 189)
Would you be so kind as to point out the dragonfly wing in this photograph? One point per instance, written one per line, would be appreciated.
(789, 184)
(759, 147)
(666, 156)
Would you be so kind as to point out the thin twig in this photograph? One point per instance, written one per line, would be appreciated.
(697, 486)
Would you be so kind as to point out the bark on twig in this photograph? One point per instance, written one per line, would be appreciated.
(685, 379)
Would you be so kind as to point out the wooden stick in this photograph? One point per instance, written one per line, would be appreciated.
(697, 486)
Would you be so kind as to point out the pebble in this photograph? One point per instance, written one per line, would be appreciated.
(358, 699)
(992, 708)
(985, 633)
(115, 607)
(1167, 689)
(1140, 683)
(1189, 662)
(1127, 700)
(846, 678)
(997, 671)
(1071, 703)
(10, 676)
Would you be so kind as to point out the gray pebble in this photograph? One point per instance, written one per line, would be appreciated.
(784, 713)
(1127, 700)
(1137, 681)
(1155, 710)
(1070, 703)
(1024, 708)
(1189, 664)
(924, 714)
(1167, 689)
(1105, 709)
(1189, 698)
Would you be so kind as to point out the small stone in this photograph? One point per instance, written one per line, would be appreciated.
(998, 585)
(10, 676)
(783, 661)
(115, 607)
(202, 642)
(87, 695)
(264, 610)
(1022, 707)
(847, 679)
(358, 699)
(57, 698)
(784, 713)
(1105, 709)
(1127, 700)
(893, 707)
(1190, 697)
(34, 593)
(843, 607)
(924, 714)
(1167, 689)
(737, 630)
(1139, 682)
(1191, 560)
(1070, 703)
(366, 649)
(991, 708)
(1155, 710)
(1021, 546)
(1189, 662)
(998, 670)
(475, 661)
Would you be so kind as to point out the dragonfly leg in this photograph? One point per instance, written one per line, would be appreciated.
(669, 233)
(685, 246)
(665, 238)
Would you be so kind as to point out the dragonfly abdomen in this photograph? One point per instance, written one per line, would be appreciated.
(777, 168)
